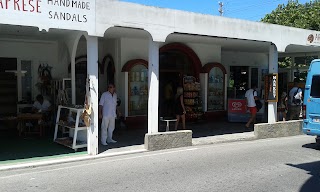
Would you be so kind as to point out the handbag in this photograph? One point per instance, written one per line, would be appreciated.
(258, 103)
(296, 99)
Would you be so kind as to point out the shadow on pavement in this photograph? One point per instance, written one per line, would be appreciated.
(314, 146)
(312, 184)
(218, 128)
(14, 148)
(130, 137)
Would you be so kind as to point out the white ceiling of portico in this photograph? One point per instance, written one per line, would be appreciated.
(227, 44)
(302, 49)
(28, 33)
(122, 32)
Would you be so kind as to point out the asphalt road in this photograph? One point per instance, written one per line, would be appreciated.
(276, 165)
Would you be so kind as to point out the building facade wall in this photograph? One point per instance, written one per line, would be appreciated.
(38, 52)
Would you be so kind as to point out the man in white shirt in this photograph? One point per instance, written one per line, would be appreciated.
(251, 97)
(295, 106)
(41, 105)
(107, 112)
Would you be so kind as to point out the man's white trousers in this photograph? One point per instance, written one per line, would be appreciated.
(107, 128)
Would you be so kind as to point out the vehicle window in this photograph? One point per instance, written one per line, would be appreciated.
(315, 86)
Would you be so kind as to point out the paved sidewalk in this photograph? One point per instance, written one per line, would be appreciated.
(223, 138)
(132, 141)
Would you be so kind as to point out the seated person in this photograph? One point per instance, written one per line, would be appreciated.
(44, 107)
(41, 105)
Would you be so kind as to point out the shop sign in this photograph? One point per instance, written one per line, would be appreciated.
(271, 87)
(236, 106)
(46, 14)
(313, 39)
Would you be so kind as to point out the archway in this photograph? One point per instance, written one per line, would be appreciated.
(182, 50)
(176, 61)
(110, 69)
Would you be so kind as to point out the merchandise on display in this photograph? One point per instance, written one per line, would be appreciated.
(192, 99)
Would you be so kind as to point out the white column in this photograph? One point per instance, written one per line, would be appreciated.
(153, 101)
(92, 68)
(273, 68)
(73, 76)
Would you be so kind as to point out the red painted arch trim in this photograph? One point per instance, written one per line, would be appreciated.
(207, 67)
(130, 64)
(196, 63)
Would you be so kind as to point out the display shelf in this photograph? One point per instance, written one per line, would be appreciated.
(216, 82)
(138, 90)
(73, 143)
(67, 141)
(188, 105)
(192, 98)
(69, 127)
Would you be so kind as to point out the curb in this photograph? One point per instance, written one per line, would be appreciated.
(43, 163)
(222, 139)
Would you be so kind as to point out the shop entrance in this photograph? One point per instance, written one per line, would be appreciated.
(167, 90)
(176, 62)
(8, 86)
(174, 65)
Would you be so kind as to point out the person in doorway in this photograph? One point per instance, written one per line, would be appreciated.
(107, 112)
(41, 105)
(295, 101)
(168, 96)
(283, 106)
(251, 97)
(180, 110)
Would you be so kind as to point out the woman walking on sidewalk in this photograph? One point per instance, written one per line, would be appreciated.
(180, 109)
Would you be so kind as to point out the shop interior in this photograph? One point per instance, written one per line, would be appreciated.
(25, 133)
(176, 68)
(21, 134)
(239, 82)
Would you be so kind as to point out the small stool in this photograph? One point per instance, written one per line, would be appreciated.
(168, 121)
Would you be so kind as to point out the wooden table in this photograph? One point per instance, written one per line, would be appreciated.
(23, 118)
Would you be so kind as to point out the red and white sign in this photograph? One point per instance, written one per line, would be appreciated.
(237, 106)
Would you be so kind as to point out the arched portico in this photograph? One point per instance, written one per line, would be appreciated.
(191, 55)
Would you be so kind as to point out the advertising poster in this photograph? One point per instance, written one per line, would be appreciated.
(271, 87)
(236, 106)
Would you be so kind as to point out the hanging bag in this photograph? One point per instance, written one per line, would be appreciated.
(258, 102)
(296, 99)
(86, 115)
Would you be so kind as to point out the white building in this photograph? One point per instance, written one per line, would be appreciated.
(55, 33)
